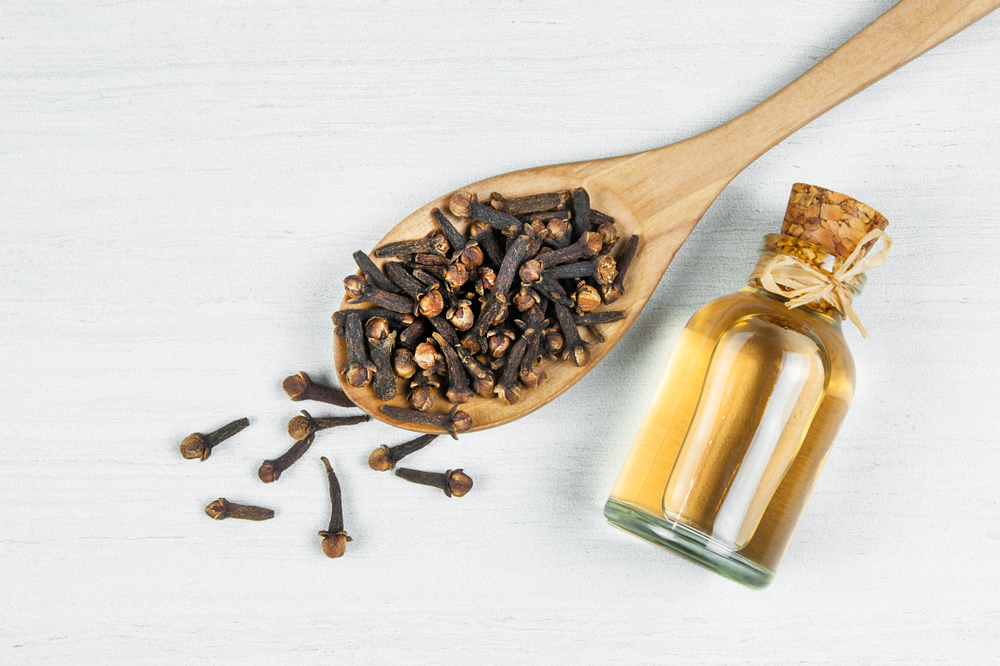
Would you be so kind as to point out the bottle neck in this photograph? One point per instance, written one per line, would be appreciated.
(812, 265)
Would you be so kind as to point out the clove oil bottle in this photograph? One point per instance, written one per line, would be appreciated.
(753, 397)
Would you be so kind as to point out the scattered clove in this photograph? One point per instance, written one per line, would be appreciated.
(222, 508)
(454, 483)
(300, 427)
(385, 458)
(197, 446)
(301, 387)
(271, 470)
(335, 539)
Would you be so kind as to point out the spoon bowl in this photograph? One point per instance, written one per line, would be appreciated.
(661, 194)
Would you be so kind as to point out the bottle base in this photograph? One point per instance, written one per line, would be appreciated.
(687, 543)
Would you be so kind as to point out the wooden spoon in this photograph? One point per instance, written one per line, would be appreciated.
(661, 194)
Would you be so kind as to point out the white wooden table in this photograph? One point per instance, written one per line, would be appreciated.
(181, 187)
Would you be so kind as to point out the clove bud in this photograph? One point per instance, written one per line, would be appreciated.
(303, 426)
(197, 446)
(454, 483)
(385, 458)
(335, 539)
(301, 387)
(221, 509)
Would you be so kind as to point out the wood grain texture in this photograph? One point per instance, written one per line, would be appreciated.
(183, 185)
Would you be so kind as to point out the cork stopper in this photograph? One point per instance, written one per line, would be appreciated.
(834, 221)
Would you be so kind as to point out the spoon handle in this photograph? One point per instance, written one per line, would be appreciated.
(907, 30)
(714, 158)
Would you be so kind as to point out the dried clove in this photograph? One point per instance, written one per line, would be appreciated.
(455, 239)
(559, 231)
(595, 318)
(553, 341)
(197, 446)
(222, 508)
(458, 391)
(432, 303)
(498, 341)
(601, 269)
(597, 218)
(445, 329)
(422, 394)
(461, 317)
(354, 285)
(358, 369)
(453, 422)
(547, 216)
(472, 256)
(429, 359)
(403, 363)
(300, 427)
(614, 291)
(430, 260)
(384, 458)
(482, 235)
(530, 370)
(483, 381)
(411, 336)
(380, 344)
(576, 348)
(507, 389)
(581, 213)
(486, 278)
(533, 203)
(585, 247)
(271, 470)
(586, 297)
(300, 387)
(434, 244)
(454, 483)
(384, 299)
(335, 539)
(399, 275)
(395, 318)
(608, 233)
(465, 204)
(372, 273)
(552, 290)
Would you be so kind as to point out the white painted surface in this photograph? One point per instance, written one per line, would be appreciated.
(182, 186)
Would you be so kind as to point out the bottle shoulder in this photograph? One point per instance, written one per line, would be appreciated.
(718, 316)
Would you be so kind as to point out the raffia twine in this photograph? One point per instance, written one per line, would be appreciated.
(801, 283)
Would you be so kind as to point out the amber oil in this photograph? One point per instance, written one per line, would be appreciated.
(740, 426)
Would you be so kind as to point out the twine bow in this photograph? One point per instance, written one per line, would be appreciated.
(800, 283)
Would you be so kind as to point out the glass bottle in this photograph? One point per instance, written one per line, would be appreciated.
(751, 401)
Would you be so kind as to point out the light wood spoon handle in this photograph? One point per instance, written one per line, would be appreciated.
(907, 30)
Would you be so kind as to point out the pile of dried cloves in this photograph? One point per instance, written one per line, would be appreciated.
(457, 316)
